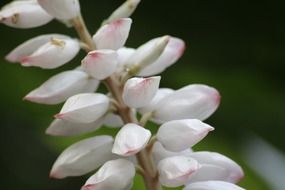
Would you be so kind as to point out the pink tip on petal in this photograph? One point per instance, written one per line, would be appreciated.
(53, 175)
(88, 187)
(94, 55)
(59, 116)
(25, 60)
(118, 22)
(218, 98)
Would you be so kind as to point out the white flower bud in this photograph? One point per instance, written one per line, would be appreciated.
(61, 9)
(191, 102)
(138, 92)
(124, 11)
(131, 139)
(100, 64)
(161, 93)
(159, 152)
(113, 35)
(61, 86)
(178, 135)
(61, 127)
(212, 185)
(24, 14)
(215, 166)
(30, 46)
(84, 108)
(176, 171)
(53, 54)
(146, 54)
(83, 157)
(113, 121)
(113, 175)
(172, 52)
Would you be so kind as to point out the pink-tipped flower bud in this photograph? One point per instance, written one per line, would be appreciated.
(215, 166)
(172, 52)
(176, 171)
(113, 175)
(60, 87)
(113, 35)
(83, 157)
(24, 14)
(84, 108)
(100, 64)
(138, 92)
(191, 102)
(130, 140)
(178, 135)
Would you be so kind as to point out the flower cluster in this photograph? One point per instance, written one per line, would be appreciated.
(134, 98)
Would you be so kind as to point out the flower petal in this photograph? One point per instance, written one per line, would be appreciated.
(84, 108)
(61, 86)
(113, 35)
(100, 64)
(216, 166)
(212, 185)
(130, 140)
(28, 47)
(147, 54)
(61, 9)
(195, 101)
(124, 11)
(53, 54)
(159, 152)
(65, 128)
(83, 157)
(172, 52)
(178, 135)
(176, 171)
(24, 14)
(161, 93)
(113, 175)
(138, 92)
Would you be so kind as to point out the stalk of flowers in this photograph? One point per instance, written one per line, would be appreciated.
(162, 159)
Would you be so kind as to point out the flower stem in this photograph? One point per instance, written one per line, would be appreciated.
(150, 174)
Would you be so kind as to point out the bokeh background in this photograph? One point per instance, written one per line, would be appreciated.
(236, 46)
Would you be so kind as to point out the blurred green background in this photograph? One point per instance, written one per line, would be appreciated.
(236, 46)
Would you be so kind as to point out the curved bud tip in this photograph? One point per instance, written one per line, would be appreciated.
(130, 140)
(100, 64)
(113, 35)
(138, 92)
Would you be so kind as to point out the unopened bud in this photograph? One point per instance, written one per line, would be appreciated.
(83, 157)
(61, 9)
(113, 35)
(100, 64)
(130, 140)
(113, 175)
(176, 171)
(178, 135)
(84, 108)
(60, 87)
(24, 14)
(138, 92)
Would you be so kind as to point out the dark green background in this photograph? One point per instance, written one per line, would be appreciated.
(236, 46)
